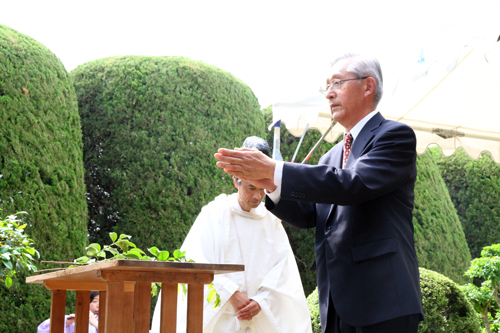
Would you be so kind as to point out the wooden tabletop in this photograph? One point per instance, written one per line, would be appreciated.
(93, 273)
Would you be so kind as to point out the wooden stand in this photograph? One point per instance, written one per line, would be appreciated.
(125, 293)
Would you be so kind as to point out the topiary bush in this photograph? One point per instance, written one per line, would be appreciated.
(474, 188)
(151, 126)
(41, 167)
(439, 239)
(445, 306)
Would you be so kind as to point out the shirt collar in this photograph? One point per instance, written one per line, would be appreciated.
(359, 126)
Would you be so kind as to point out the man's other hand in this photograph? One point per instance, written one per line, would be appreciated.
(246, 163)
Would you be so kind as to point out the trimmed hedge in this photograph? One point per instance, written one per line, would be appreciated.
(439, 239)
(474, 188)
(445, 306)
(41, 168)
(150, 128)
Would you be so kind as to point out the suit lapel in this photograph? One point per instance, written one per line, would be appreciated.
(363, 139)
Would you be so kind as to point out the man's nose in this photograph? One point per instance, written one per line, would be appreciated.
(330, 93)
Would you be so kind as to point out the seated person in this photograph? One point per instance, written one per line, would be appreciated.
(237, 229)
(70, 320)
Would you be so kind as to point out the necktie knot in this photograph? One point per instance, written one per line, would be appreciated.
(347, 147)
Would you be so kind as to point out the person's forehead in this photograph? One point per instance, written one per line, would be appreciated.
(338, 70)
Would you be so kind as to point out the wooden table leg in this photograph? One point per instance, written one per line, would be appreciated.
(142, 311)
(57, 309)
(82, 311)
(102, 311)
(168, 317)
(114, 307)
(195, 308)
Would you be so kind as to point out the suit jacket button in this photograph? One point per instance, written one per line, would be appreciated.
(292, 194)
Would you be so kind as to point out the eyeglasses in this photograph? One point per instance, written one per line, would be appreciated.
(338, 84)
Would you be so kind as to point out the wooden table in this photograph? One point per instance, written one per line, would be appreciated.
(125, 293)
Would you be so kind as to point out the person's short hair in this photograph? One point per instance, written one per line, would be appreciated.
(256, 142)
(93, 294)
(365, 66)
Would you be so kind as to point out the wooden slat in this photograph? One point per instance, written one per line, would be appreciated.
(195, 308)
(168, 317)
(82, 311)
(102, 311)
(57, 309)
(128, 313)
(114, 308)
(142, 311)
(190, 278)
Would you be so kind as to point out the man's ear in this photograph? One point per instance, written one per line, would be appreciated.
(235, 183)
(370, 86)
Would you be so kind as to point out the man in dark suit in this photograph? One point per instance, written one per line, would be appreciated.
(360, 200)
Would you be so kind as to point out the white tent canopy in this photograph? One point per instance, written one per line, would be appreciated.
(452, 102)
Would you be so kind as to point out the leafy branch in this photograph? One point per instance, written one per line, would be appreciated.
(122, 248)
(16, 251)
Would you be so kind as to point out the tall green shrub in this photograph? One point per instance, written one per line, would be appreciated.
(446, 307)
(439, 239)
(151, 126)
(41, 168)
(474, 188)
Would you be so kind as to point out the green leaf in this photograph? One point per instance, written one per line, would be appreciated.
(95, 246)
(122, 236)
(154, 251)
(8, 281)
(22, 226)
(177, 254)
(7, 263)
(211, 295)
(113, 236)
(163, 256)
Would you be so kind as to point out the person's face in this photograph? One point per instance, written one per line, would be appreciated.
(94, 305)
(346, 103)
(249, 196)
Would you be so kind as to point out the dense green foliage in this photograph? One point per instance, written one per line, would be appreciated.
(474, 188)
(41, 169)
(445, 306)
(150, 128)
(439, 239)
(16, 249)
(485, 297)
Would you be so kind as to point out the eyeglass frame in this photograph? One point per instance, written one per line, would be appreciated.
(324, 90)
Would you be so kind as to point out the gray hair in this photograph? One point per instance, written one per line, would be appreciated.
(255, 142)
(365, 66)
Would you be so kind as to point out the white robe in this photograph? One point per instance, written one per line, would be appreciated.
(225, 234)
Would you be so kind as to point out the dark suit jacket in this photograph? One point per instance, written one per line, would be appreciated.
(365, 253)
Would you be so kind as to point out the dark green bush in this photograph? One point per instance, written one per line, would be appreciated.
(151, 126)
(474, 188)
(41, 168)
(445, 306)
(439, 239)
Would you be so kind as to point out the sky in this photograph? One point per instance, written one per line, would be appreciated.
(280, 49)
